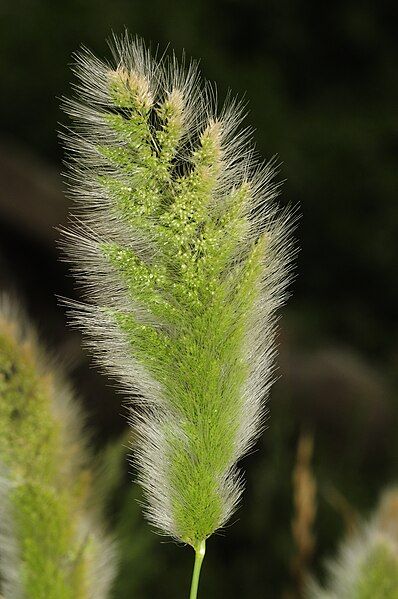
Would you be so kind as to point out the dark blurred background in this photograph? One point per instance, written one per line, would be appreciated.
(322, 90)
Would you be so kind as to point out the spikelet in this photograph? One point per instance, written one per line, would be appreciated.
(51, 541)
(367, 563)
(184, 258)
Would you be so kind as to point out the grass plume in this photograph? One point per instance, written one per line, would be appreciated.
(51, 542)
(367, 563)
(184, 257)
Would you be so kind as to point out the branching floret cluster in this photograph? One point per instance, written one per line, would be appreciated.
(185, 258)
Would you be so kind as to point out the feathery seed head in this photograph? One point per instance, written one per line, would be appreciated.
(51, 543)
(185, 261)
(367, 562)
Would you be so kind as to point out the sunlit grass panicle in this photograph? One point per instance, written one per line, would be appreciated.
(184, 256)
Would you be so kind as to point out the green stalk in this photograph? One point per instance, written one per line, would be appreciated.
(200, 551)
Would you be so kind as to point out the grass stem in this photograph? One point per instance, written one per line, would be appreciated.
(200, 551)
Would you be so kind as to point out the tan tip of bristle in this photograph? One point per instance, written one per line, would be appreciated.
(213, 130)
(136, 83)
(212, 138)
(176, 99)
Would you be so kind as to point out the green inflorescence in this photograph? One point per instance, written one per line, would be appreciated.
(186, 261)
(200, 285)
(379, 574)
(46, 493)
(367, 564)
